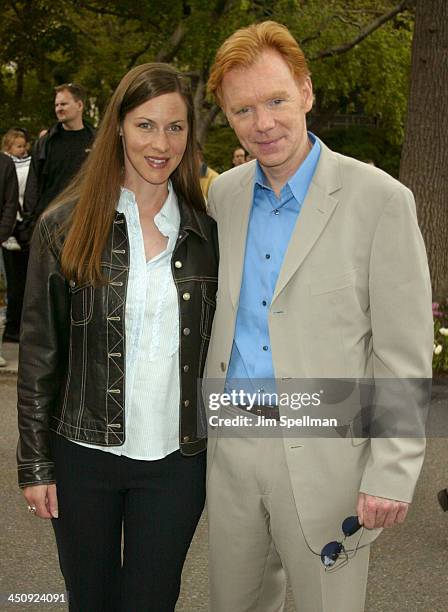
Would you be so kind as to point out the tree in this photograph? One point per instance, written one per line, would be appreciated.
(424, 161)
(359, 50)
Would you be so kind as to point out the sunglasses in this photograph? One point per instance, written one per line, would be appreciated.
(331, 552)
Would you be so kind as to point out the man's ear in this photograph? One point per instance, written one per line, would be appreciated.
(229, 121)
(307, 94)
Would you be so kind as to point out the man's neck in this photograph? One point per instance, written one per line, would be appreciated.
(73, 126)
(278, 176)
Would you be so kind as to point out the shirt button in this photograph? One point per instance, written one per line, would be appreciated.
(265, 348)
(264, 302)
(178, 264)
(186, 403)
(186, 331)
(186, 296)
(186, 368)
(276, 211)
(267, 256)
(223, 366)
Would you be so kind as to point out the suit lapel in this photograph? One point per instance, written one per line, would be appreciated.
(238, 220)
(314, 216)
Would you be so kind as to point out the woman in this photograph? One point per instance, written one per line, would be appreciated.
(118, 310)
(9, 202)
(15, 257)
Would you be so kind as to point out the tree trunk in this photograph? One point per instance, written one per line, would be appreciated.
(18, 94)
(424, 160)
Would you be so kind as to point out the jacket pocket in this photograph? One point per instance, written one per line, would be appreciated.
(208, 308)
(333, 283)
(81, 306)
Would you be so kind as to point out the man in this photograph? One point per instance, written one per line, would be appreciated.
(238, 157)
(206, 174)
(323, 274)
(58, 155)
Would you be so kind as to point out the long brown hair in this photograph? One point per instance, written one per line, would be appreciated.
(96, 188)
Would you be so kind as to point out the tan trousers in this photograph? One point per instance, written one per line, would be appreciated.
(255, 538)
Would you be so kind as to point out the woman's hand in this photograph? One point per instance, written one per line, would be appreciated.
(44, 499)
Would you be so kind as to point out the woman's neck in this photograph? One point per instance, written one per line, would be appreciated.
(149, 198)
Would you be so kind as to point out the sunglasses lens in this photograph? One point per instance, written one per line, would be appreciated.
(330, 553)
(350, 526)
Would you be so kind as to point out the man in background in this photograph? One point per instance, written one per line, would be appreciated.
(206, 174)
(58, 155)
(238, 157)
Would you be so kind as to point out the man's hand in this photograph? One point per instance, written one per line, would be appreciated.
(44, 499)
(374, 512)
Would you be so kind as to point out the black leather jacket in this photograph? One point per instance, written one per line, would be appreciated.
(72, 351)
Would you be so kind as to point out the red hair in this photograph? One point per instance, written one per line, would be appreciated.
(243, 48)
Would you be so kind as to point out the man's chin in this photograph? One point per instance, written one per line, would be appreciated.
(271, 161)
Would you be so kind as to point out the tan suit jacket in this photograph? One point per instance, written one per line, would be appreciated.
(352, 299)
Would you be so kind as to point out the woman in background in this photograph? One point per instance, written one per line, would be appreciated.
(9, 202)
(117, 317)
(15, 256)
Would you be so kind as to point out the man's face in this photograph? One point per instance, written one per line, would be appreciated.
(239, 157)
(67, 109)
(267, 108)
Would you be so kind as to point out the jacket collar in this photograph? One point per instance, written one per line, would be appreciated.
(57, 127)
(190, 219)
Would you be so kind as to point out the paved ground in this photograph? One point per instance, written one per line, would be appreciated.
(408, 567)
(10, 353)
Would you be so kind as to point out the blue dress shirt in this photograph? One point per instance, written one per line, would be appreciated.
(271, 224)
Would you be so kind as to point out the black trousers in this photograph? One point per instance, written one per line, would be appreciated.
(157, 504)
(16, 264)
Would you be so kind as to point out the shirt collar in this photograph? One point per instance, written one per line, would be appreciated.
(301, 179)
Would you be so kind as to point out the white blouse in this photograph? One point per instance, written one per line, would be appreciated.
(152, 391)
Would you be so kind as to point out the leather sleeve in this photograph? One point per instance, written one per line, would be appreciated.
(10, 204)
(43, 356)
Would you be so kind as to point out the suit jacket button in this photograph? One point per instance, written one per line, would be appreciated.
(223, 366)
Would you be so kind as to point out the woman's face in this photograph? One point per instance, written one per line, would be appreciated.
(18, 147)
(154, 137)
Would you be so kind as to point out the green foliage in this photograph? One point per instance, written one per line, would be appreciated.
(96, 42)
(365, 144)
(218, 150)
